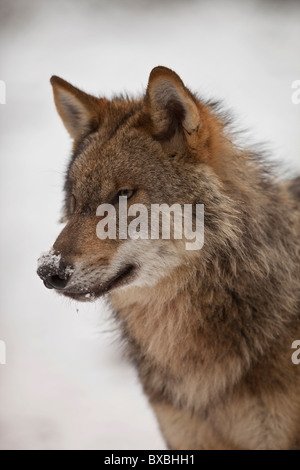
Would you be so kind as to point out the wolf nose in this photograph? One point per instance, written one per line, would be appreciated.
(56, 282)
(55, 278)
(54, 271)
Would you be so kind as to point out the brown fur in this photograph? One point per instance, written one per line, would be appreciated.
(210, 331)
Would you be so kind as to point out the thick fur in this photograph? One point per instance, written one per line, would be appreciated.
(210, 331)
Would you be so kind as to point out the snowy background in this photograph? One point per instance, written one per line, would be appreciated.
(66, 384)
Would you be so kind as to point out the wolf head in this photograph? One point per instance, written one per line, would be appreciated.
(162, 148)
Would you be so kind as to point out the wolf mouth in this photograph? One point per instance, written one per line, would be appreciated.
(123, 276)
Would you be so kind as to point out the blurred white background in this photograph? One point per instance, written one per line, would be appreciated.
(66, 384)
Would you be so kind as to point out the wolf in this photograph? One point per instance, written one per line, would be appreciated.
(209, 331)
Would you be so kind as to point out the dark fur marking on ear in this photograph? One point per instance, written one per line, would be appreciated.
(176, 115)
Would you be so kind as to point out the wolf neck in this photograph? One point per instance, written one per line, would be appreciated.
(156, 318)
(174, 338)
(184, 316)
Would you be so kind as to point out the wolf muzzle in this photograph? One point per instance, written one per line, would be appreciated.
(53, 271)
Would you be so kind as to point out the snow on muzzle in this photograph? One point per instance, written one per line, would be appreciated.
(53, 270)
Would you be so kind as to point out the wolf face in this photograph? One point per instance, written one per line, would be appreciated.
(145, 151)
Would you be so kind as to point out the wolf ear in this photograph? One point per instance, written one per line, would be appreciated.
(81, 113)
(171, 106)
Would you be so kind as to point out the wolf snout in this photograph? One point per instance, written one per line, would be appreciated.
(53, 271)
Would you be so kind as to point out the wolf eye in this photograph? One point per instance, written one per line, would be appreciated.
(126, 193)
(72, 204)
